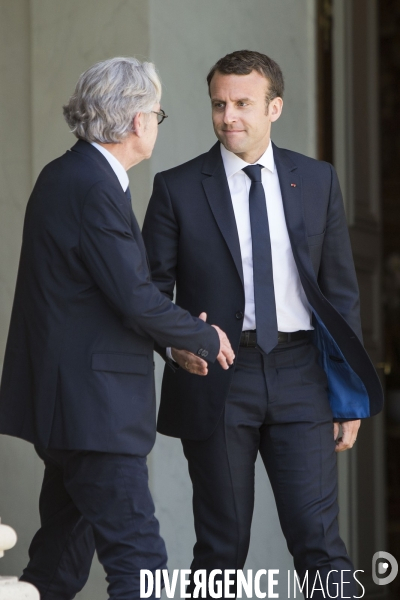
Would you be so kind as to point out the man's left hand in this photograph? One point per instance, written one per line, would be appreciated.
(349, 434)
(189, 361)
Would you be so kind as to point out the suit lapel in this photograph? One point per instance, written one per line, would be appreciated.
(219, 198)
(138, 238)
(291, 190)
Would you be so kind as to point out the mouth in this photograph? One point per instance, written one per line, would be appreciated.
(232, 131)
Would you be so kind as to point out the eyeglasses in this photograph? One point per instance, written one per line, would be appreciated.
(160, 115)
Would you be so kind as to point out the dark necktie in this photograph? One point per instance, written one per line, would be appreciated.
(128, 194)
(264, 295)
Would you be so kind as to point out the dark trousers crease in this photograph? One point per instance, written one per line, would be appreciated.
(278, 406)
(94, 501)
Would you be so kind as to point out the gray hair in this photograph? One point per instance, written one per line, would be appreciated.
(108, 96)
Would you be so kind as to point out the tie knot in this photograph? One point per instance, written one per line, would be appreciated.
(253, 172)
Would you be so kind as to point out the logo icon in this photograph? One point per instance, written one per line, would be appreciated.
(384, 568)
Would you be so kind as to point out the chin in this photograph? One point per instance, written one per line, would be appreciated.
(230, 144)
(235, 148)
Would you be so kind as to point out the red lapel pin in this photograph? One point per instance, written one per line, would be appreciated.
(293, 184)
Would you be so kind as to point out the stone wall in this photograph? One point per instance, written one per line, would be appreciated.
(44, 46)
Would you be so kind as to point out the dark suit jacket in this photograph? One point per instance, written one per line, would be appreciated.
(191, 238)
(78, 369)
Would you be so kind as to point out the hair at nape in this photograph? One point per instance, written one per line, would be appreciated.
(108, 96)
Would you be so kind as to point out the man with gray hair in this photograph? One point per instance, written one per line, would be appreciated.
(78, 372)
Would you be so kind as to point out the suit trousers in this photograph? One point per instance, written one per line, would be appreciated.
(94, 501)
(277, 405)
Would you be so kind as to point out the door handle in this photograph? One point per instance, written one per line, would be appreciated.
(386, 366)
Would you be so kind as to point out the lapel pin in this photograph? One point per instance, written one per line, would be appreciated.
(293, 184)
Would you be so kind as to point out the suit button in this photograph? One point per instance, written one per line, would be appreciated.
(239, 315)
(202, 352)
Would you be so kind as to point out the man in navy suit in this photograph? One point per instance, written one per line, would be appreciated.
(78, 372)
(256, 236)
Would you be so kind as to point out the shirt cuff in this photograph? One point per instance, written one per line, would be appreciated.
(169, 353)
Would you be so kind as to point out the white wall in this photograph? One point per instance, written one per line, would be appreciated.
(188, 36)
(19, 469)
(44, 46)
(67, 38)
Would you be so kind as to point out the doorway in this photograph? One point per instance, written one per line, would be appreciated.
(349, 136)
(389, 94)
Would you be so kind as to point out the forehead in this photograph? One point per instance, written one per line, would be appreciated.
(238, 86)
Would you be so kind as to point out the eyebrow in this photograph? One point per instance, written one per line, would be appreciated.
(237, 100)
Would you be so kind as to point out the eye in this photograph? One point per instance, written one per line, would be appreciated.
(218, 105)
(242, 103)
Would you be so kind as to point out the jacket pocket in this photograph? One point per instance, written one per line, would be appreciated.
(121, 363)
(315, 240)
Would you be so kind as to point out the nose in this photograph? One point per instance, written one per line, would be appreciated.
(230, 115)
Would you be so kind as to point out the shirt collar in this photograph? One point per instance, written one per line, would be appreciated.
(233, 164)
(115, 165)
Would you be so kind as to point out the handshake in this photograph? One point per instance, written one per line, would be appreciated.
(196, 365)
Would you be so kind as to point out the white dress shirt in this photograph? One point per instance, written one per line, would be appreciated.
(115, 165)
(292, 309)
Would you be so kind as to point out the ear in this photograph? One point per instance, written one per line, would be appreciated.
(275, 109)
(138, 124)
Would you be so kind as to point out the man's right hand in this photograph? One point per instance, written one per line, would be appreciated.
(226, 355)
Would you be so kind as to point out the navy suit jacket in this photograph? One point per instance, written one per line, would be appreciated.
(191, 238)
(78, 370)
